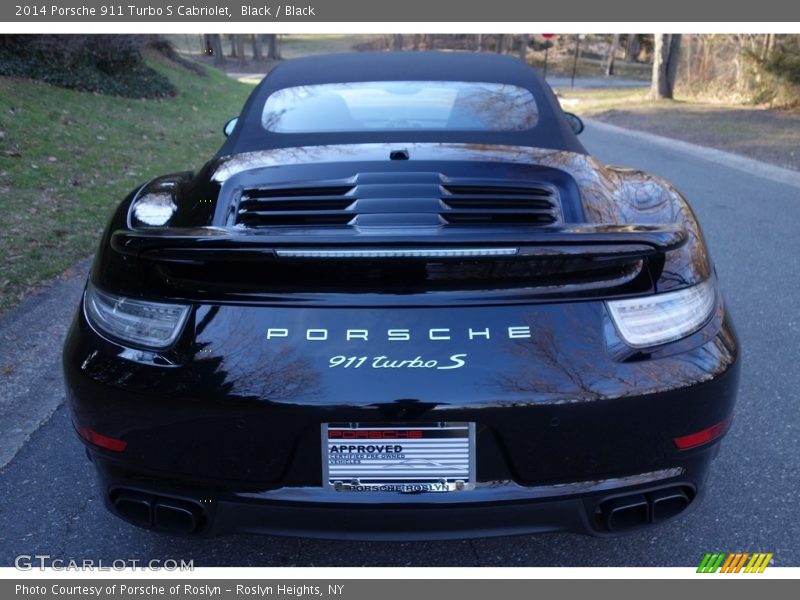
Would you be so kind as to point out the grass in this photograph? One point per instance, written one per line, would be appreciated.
(590, 101)
(771, 136)
(561, 66)
(68, 158)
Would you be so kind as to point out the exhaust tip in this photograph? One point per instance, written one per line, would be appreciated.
(134, 507)
(634, 510)
(668, 503)
(176, 516)
(626, 512)
(170, 515)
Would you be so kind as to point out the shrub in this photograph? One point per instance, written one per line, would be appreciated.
(106, 64)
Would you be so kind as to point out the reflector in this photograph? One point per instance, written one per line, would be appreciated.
(98, 439)
(703, 436)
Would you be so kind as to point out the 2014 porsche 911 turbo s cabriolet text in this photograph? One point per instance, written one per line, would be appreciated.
(402, 302)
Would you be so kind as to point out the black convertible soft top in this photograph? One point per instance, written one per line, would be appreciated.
(551, 131)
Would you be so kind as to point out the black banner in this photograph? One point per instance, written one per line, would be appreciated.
(443, 11)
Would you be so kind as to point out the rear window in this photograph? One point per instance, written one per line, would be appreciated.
(400, 105)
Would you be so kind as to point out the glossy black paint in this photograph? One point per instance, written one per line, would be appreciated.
(523, 346)
(226, 383)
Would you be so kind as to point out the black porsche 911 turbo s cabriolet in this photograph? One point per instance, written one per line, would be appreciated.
(402, 302)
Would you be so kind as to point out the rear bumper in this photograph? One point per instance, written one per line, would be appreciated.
(616, 506)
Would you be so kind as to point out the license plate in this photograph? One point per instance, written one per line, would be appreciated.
(406, 458)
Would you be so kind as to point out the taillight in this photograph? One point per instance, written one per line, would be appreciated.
(661, 318)
(140, 322)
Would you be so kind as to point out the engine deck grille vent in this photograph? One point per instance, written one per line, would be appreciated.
(398, 199)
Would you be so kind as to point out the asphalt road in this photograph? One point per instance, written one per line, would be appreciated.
(49, 503)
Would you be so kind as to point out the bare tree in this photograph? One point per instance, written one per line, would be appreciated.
(258, 43)
(674, 59)
(501, 43)
(575, 59)
(523, 47)
(665, 65)
(214, 45)
(612, 55)
(632, 47)
(239, 41)
(480, 43)
(397, 42)
(416, 42)
(688, 53)
(273, 52)
(769, 46)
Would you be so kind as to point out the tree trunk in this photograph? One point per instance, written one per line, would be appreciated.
(523, 47)
(397, 42)
(705, 56)
(215, 45)
(632, 48)
(233, 45)
(575, 59)
(416, 42)
(674, 60)
(240, 48)
(689, 57)
(272, 47)
(257, 47)
(501, 44)
(612, 55)
(658, 85)
(665, 65)
(770, 45)
(480, 42)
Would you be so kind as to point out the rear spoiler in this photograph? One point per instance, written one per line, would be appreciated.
(213, 244)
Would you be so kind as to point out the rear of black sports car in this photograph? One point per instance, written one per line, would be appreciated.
(403, 332)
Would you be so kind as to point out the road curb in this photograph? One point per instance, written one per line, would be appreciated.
(727, 159)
